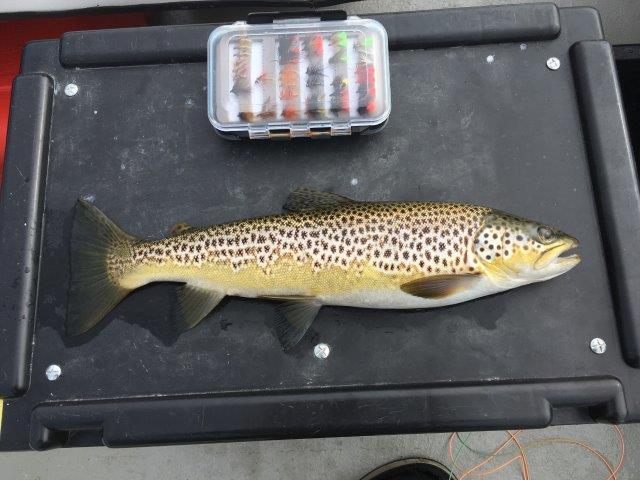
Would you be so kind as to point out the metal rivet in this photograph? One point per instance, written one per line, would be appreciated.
(553, 63)
(598, 346)
(321, 350)
(71, 89)
(53, 372)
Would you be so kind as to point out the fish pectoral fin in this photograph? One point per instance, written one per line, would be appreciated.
(295, 316)
(308, 199)
(194, 303)
(440, 286)
(180, 228)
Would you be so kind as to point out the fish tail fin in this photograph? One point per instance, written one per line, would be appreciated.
(99, 257)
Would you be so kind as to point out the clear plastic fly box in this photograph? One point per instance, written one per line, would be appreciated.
(274, 78)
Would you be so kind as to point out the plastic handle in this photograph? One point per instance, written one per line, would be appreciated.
(269, 17)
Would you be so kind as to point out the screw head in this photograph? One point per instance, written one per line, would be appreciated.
(71, 89)
(53, 372)
(598, 346)
(321, 350)
(553, 63)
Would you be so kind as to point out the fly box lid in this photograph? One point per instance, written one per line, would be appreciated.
(319, 74)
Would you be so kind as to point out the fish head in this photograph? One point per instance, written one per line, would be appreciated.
(514, 251)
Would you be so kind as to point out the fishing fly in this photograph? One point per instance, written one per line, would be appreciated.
(242, 67)
(289, 52)
(365, 77)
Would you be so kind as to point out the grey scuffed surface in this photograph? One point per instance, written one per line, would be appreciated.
(342, 458)
(319, 459)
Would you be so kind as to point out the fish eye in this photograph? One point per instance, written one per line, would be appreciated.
(545, 234)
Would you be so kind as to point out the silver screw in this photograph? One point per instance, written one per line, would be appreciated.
(598, 346)
(53, 372)
(71, 89)
(553, 63)
(321, 350)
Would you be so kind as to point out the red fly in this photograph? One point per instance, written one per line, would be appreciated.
(289, 113)
(317, 44)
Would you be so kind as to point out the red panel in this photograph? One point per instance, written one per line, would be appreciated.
(15, 33)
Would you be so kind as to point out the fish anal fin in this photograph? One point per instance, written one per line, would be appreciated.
(440, 286)
(309, 199)
(194, 303)
(294, 317)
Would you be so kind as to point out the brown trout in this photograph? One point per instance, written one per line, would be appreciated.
(325, 249)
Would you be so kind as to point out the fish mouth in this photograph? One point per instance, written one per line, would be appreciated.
(555, 256)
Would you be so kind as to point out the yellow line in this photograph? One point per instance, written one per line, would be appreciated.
(1, 406)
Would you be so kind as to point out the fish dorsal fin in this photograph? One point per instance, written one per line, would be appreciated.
(309, 199)
(194, 303)
(180, 228)
(440, 286)
(295, 316)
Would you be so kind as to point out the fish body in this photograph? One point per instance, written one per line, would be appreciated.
(324, 250)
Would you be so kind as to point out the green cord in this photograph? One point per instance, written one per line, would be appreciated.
(477, 452)
(455, 456)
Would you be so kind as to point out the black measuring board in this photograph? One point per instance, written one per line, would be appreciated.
(477, 116)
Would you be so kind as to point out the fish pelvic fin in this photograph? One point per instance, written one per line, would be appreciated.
(100, 254)
(309, 199)
(440, 286)
(294, 317)
(194, 304)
